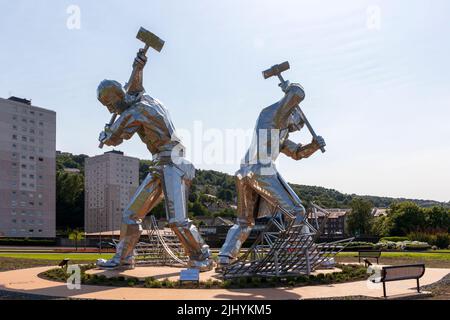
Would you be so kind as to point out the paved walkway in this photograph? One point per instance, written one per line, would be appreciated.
(27, 281)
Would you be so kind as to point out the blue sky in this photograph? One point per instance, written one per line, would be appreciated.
(376, 76)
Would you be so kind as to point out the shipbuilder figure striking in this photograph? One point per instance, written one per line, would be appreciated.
(170, 176)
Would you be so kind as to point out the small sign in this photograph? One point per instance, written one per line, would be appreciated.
(190, 275)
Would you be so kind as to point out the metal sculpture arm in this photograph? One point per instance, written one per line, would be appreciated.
(298, 151)
(135, 84)
(294, 94)
(123, 128)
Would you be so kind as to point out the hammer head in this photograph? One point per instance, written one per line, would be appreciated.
(150, 39)
(276, 70)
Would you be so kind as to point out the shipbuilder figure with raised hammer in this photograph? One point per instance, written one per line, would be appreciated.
(170, 176)
(258, 184)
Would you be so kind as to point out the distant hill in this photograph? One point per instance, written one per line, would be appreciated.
(212, 193)
(217, 183)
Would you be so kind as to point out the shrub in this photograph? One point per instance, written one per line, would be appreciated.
(442, 240)
(359, 245)
(385, 245)
(413, 245)
(394, 239)
(422, 237)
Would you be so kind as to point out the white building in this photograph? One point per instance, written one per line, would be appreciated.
(27, 169)
(110, 182)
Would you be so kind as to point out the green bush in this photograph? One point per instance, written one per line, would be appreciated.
(414, 245)
(422, 237)
(394, 239)
(360, 245)
(442, 240)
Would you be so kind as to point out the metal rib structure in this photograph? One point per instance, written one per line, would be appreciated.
(285, 247)
(162, 248)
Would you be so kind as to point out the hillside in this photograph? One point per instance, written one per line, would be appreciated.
(212, 193)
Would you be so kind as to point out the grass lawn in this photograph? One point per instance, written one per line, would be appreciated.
(441, 255)
(431, 259)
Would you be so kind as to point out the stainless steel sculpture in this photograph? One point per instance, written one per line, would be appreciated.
(286, 248)
(161, 248)
(170, 175)
(261, 189)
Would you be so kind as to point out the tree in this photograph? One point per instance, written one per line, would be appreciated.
(199, 209)
(76, 235)
(225, 194)
(69, 200)
(359, 220)
(406, 217)
(437, 219)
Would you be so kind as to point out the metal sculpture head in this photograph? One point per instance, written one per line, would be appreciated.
(295, 122)
(112, 95)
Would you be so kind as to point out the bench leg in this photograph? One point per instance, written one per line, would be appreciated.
(384, 289)
(418, 286)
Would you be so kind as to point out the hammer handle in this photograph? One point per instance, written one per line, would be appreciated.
(113, 118)
(311, 130)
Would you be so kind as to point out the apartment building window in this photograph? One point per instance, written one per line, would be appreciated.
(14, 136)
(14, 127)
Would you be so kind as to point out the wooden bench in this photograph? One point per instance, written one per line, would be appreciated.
(366, 254)
(402, 272)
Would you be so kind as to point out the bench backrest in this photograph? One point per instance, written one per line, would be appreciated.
(369, 253)
(402, 272)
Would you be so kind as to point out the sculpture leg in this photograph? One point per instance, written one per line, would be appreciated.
(237, 234)
(146, 197)
(176, 181)
(277, 192)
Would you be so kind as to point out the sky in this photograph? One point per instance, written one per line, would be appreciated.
(376, 76)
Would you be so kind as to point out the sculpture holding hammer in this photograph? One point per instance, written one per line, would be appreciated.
(171, 175)
(259, 185)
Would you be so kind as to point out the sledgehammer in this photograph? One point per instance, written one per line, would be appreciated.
(276, 70)
(151, 41)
